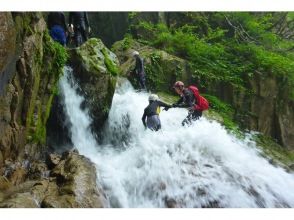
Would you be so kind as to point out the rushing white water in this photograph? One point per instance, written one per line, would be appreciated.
(197, 166)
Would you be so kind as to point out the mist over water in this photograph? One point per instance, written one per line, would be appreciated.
(197, 166)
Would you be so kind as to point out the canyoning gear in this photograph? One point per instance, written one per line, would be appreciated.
(57, 27)
(135, 53)
(178, 84)
(139, 72)
(193, 101)
(80, 23)
(187, 99)
(153, 109)
(57, 33)
(153, 97)
(202, 104)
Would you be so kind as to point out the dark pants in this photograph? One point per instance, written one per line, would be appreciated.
(153, 123)
(80, 36)
(142, 81)
(192, 116)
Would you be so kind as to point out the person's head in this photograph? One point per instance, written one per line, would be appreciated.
(179, 87)
(135, 54)
(153, 98)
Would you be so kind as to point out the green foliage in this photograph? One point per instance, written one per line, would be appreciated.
(127, 42)
(225, 47)
(57, 52)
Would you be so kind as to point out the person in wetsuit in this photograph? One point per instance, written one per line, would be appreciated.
(57, 27)
(151, 112)
(187, 100)
(139, 70)
(81, 26)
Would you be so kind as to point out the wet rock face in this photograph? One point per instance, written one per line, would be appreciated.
(95, 68)
(70, 183)
(7, 48)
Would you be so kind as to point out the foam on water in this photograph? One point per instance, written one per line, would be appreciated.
(197, 166)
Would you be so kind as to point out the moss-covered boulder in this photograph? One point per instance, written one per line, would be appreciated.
(95, 68)
(162, 69)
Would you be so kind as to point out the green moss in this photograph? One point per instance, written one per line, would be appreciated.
(270, 148)
(110, 65)
(48, 65)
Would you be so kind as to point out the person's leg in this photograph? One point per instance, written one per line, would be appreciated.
(196, 115)
(142, 82)
(187, 120)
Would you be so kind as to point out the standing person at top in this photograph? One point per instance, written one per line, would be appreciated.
(191, 99)
(81, 26)
(151, 112)
(57, 27)
(139, 70)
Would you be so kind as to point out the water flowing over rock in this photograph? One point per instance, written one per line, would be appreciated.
(95, 68)
(266, 108)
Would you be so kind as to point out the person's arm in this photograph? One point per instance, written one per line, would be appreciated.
(163, 104)
(187, 100)
(144, 118)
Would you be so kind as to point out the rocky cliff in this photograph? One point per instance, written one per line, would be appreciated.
(30, 66)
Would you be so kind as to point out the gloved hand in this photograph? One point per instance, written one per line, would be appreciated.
(174, 105)
(166, 108)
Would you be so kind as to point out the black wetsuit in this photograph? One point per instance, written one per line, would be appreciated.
(80, 22)
(152, 114)
(140, 73)
(188, 101)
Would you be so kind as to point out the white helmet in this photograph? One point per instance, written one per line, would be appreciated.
(135, 53)
(153, 97)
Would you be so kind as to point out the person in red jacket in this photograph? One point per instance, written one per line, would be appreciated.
(190, 99)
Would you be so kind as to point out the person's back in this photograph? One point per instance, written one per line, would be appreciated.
(57, 27)
(151, 112)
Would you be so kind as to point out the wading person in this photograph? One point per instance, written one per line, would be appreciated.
(151, 112)
(190, 99)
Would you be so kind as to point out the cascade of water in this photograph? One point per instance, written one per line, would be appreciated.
(197, 166)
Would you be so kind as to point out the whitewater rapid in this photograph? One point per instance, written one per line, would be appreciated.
(197, 166)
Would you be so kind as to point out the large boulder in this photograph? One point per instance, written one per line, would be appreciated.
(95, 68)
(72, 183)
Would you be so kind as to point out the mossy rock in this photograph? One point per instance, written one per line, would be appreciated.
(95, 68)
(162, 69)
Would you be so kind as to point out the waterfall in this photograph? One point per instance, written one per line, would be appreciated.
(201, 165)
